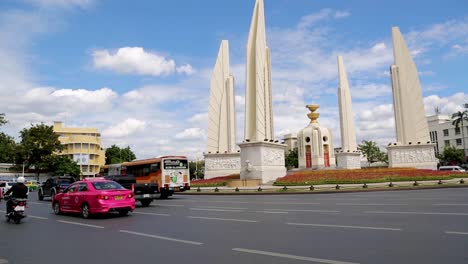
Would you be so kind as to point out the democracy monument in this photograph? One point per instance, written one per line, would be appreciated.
(261, 159)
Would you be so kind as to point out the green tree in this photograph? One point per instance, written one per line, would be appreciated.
(7, 148)
(62, 165)
(291, 159)
(2, 119)
(458, 119)
(451, 155)
(115, 155)
(37, 144)
(197, 169)
(371, 151)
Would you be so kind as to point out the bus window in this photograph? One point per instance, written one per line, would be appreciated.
(155, 167)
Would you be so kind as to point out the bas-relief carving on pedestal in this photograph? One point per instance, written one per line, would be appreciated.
(414, 156)
(419, 156)
(273, 157)
(217, 165)
(222, 163)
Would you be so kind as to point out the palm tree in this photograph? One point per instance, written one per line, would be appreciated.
(458, 119)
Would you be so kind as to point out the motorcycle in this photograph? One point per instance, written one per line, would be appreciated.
(17, 213)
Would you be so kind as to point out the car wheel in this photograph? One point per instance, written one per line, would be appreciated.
(40, 195)
(145, 203)
(85, 211)
(123, 213)
(56, 208)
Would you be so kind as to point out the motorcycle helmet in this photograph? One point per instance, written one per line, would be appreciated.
(20, 180)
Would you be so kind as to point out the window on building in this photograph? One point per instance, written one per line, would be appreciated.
(457, 131)
(459, 141)
(446, 133)
(447, 143)
(84, 169)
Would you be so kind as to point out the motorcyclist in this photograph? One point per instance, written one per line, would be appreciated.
(19, 191)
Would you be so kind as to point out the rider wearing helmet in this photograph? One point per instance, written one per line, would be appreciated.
(19, 190)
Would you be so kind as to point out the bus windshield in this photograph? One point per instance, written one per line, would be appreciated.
(170, 164)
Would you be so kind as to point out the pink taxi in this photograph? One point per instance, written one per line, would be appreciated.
(94, 196)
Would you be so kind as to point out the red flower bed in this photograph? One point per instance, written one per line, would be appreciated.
(364, 176)
(217, 181)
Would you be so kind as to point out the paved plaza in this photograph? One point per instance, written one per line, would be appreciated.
(424, 226)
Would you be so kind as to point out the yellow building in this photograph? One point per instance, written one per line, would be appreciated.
(83, 145)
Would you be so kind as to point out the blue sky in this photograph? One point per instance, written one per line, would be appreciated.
(140, 70)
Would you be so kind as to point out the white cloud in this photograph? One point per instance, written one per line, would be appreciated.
(94, 97)
(135, 60)
(185, 69)
(191, 133)
(447, 105)
(370, 90)
(125, 128)
(201, 118)
(323, 14)
(62, 3)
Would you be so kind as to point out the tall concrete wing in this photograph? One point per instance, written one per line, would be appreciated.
(410, 116)
(348, 131)
(413, 147)
(221, 114)
(261, 159)
(258, 106)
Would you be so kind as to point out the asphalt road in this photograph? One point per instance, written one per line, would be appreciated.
(425, 226)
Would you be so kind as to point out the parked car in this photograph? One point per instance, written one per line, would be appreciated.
(53, 186)
(5, 186)
(94, 196)
(145, 193)
(32, 185)
(451, 168)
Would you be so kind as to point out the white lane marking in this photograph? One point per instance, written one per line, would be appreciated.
(218, 207)
(30, 216)
(235, 202)
(415, 213)
(37, 217)
(216, 210)
(80, 224)
(303, 210)
(290, 203)
(450, 204)
(272, 212)
(379, 204)
(162, 237)
(142, 213)
(346, 226)
(223, 219)
(169, 205)
(280, 255)
(456, 233)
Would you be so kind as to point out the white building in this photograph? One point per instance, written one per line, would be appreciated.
(290, 140)
(444, 133)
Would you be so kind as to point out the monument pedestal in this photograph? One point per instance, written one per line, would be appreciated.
(414, 156)
(348, 160)
(221, 164)
(262, 161)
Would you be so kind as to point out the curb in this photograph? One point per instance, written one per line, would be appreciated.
(383, 189)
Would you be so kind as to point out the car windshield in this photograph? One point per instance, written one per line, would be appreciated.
(65, 181)
(110, 185)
